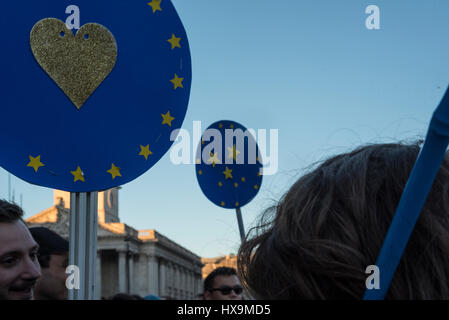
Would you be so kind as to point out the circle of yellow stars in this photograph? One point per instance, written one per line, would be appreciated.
(167, 118)
(233, 153)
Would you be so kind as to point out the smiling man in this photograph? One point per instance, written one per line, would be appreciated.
(19, 266)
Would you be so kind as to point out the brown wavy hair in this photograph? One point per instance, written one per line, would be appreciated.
(318, 240)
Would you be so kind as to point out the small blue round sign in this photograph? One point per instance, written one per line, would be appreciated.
(90, 92)
(228, 168)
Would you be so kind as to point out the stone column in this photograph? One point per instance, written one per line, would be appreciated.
(144, 286)
(177, 274)
(195, 291)
(195, 284)
(153, 273)
(191, 285)
(199, 280)
(187, 294)
(98, 277)
(181, 283)
(163, 279)
(172, 280)
(168, 279)
(158, 271)
(186, 285)
(131, 273)
(146, 263)
(122, 271)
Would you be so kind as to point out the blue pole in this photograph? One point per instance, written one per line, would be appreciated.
(413, 198)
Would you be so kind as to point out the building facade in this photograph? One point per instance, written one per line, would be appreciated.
(142, 262)
(210, 264)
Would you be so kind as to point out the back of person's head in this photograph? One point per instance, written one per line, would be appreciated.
(221, 271)
(50, 243)
(9, 212)
(54, 260)
(317, 242)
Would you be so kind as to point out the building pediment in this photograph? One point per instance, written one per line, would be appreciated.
(57, 218)
(51, 215)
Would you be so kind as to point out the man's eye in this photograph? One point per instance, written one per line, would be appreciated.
(8, 261)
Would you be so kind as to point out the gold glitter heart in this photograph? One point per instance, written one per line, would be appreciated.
(78, 64)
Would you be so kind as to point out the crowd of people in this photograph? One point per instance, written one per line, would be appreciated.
(33, 264)
(315, 243)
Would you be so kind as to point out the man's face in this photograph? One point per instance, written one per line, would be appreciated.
(224, 283)
(52, 284)
(19, 267)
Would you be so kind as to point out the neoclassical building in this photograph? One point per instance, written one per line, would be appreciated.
(131, 261)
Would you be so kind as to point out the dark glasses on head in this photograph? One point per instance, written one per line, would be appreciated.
(227, 290)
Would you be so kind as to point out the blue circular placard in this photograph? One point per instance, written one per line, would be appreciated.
(124, 127)
(228, 167)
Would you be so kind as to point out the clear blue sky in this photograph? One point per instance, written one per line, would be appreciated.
(308, 68)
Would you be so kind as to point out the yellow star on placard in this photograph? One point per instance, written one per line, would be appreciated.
(174, 42)
(114, 171)
(78, 174)
(223, 204)
(167, 118)
(177, 82)
(214, 159)
(145, 151)
(156, 5)
(256, 187)
(228, 173)
(220, 184)
(233, 153)
(35, 163)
